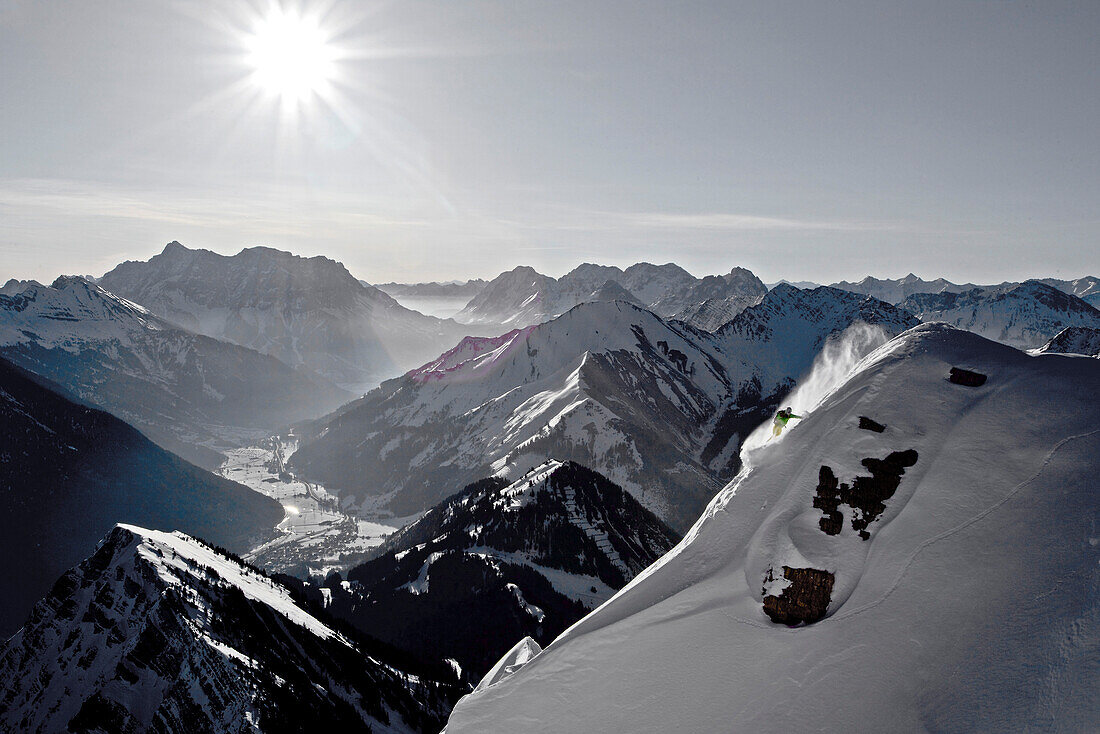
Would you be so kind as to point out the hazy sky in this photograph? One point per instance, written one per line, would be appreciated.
(457, 138)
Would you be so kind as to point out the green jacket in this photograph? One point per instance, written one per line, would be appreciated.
(780, 417)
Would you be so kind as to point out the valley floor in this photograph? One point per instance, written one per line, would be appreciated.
(315, 536)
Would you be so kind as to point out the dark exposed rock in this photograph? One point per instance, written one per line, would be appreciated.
(869, 425)
(806, 600)
(866, 495)
(967, 378)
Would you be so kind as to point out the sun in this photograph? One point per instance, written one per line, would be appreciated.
(290, 56)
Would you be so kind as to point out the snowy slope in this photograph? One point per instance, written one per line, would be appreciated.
(1074, 340)
(69, 473)
(656, 407)
(307, 312)
(188, 392)
(1023, 316)
(160, 632)
(973, 604)
(498, 562)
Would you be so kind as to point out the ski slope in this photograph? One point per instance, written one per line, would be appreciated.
(972, 605)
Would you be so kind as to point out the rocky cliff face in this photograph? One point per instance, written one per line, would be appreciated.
(160, 632)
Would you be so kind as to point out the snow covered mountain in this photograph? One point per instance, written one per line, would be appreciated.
(189, 393)
(498, 562)
(657, 407)
(1074, 340)
(161, 632)
(926, 539)
(609, 385)
(307, 312)
(1023, 316)
(711, 298)
(776, 341)
(523, 296)
(68, 473)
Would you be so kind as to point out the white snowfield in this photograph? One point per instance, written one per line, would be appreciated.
(974, 605)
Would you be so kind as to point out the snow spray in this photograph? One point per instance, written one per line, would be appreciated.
(833, 365)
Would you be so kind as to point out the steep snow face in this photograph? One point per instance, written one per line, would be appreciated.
(157, 631)
(1024, 316)
(955, 587)
(1074, 340)
(188, 392)
(498, 562)
(69, 473)
(303, 311)
(605, 384)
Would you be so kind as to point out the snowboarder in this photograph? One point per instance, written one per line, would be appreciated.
(780, 421)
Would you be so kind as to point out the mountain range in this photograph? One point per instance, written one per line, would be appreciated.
(1024, 316)
(307, 312)
(523, 296)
